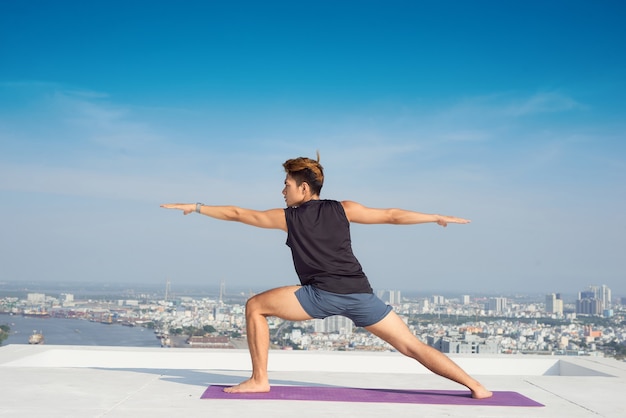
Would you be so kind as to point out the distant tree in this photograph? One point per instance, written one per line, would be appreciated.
(4, 333)
(618, 350)
(209, 329)
(193, 331)
(176, 331)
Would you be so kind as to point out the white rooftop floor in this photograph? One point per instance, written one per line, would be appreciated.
(72, 381)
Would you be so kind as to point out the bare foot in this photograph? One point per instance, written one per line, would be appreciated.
(481, 393)
(249, 386)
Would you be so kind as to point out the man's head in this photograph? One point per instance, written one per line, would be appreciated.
(306, 170)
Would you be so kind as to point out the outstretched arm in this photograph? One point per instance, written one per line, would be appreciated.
(273, 218)
(363, 215)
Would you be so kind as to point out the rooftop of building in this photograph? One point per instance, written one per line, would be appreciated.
(93, 381)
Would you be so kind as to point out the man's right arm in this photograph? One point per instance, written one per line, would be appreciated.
(272, 218)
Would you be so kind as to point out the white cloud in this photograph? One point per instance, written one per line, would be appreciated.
(544, 102)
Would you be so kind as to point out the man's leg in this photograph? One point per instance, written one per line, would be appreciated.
(394, 331)
(281, 303)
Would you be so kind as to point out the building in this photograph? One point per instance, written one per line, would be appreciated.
(587, 294)
(594, 301)
(453, 343)
(336, 323)
(589, 306)
(391, 297)
(605, 296)
(423, 306)
(496, 305)
(67, 299)
(36, 297)
(439, 300)
(554, 304)
(209, 341)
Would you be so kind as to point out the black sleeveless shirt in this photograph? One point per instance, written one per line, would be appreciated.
(318, 233)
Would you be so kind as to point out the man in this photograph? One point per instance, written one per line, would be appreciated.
(332, 281)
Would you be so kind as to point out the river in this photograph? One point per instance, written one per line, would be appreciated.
(60, 331)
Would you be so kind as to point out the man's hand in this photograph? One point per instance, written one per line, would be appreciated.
(445, 220)
(187, 208)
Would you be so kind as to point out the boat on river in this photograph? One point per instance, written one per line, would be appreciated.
(36, 338)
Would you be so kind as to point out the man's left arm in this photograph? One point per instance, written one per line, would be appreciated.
(358, 213)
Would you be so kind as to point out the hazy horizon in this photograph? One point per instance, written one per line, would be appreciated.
(511, 114)
(213, 289)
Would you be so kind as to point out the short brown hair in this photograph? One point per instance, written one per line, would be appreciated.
(303, 169)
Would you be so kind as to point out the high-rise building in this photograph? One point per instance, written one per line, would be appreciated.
(589, 306)
(587, 294)
(391, 297)
(439, 300)
(594, 300)
(423, 305)
(605, 296)
(554, 304)
(465, 299)
(496, 305)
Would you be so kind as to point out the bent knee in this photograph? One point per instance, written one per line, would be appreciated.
(252, 304)
(256, 305)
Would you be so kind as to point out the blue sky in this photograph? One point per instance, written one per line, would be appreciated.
(511, 114)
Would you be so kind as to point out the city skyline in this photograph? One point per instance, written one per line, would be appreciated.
(511, 115)
(223, 292)
(479, 325)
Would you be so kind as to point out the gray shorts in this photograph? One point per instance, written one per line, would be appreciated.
(364, 309)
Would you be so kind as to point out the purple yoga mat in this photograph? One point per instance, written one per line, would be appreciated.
(342, 394)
